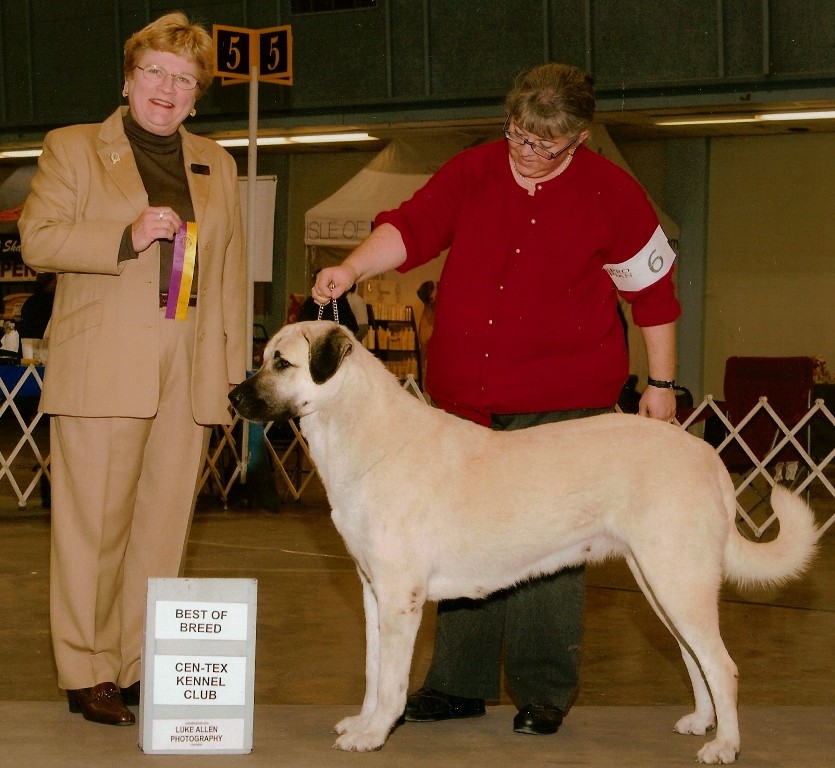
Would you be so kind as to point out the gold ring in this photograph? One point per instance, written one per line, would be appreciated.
(331, 285)
(161, 214)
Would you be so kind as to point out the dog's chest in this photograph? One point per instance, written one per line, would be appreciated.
(353, 529)
(371, 540)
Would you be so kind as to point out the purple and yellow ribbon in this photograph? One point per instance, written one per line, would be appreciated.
(182, 271)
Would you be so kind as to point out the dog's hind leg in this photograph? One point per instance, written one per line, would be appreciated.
(399, 612)
(372, 660)
(708, 662)
(703, 718)
(690, 612)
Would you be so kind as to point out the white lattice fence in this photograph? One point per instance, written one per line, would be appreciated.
(22, 461)
(799, 474)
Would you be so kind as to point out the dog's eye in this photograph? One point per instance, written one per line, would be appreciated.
(279, 363)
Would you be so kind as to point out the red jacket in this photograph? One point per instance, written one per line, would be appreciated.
(526, 317)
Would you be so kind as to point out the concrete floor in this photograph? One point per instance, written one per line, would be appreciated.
(310, 657)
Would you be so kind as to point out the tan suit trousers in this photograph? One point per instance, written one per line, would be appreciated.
(124, 491)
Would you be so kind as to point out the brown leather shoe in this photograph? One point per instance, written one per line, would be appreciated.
(100, 704)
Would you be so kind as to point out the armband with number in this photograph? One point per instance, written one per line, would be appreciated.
(646, 267)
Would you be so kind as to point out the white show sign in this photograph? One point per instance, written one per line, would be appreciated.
(198, 668)
(212, 621)
(210, 680)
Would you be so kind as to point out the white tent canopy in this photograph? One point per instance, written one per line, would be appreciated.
(345, 219)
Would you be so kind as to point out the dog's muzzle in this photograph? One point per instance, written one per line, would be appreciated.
(246, 402)
(249, 403)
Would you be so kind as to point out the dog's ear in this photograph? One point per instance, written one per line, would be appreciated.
(327, 353)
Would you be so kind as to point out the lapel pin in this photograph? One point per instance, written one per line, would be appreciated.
(115, 158)
(203, 170)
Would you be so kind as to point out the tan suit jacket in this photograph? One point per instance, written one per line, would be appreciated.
(103, 339)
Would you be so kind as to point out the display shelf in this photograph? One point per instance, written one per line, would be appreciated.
(392, 337)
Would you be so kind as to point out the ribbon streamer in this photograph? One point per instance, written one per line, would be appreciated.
(182, 271)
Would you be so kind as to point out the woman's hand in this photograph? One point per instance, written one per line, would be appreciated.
(332, 282)
(154, 223)
(658, 403)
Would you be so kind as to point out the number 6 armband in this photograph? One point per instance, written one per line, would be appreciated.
(646, 267)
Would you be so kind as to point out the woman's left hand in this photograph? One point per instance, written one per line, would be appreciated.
(658, 403)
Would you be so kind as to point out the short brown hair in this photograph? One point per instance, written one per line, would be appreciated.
(552, 100)
(174, 33)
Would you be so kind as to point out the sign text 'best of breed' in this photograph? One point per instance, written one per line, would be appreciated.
(198, 666)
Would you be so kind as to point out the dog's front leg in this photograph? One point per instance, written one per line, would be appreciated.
(399, 613)
(372, 660)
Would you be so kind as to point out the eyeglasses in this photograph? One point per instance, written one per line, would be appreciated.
(518, 138)
(154, 74)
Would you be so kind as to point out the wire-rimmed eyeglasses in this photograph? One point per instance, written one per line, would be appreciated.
(518, 138)
(156, 74)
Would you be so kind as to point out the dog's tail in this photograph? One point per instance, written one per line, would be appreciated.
(784, 558)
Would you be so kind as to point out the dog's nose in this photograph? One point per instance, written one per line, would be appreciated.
(235, 396)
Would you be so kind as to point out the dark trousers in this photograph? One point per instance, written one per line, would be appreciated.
(538, 624)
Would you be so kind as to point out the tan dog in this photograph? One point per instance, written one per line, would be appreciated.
(432, 507)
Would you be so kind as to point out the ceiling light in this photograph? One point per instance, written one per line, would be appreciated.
(262, 141)
(12, 153)
(827, 114)
(707, 120)
(323, 138)
(312, 138)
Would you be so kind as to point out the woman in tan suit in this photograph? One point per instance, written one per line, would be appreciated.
(141, 221)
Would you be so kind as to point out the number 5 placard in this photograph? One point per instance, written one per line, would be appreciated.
(237, 50)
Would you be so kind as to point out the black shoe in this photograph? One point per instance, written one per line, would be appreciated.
(131, 694)
(538, 719)
(428, 705)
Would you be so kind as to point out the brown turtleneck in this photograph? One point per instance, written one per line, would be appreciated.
(162, 169)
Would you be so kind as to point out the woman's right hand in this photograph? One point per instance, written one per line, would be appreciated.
(332, 282)
(154, 223)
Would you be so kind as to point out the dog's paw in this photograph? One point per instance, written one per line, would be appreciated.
(716, 753)
(358, 741)
(348, 724)
(695, 724)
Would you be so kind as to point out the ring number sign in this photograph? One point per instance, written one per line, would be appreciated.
(238, 50)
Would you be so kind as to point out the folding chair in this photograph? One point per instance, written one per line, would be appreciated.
(763, 433)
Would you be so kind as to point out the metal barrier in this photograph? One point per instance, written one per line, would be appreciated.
(799, 477)
(225, 463)
(20, 389)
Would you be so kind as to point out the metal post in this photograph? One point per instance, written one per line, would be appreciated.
(251, 202)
